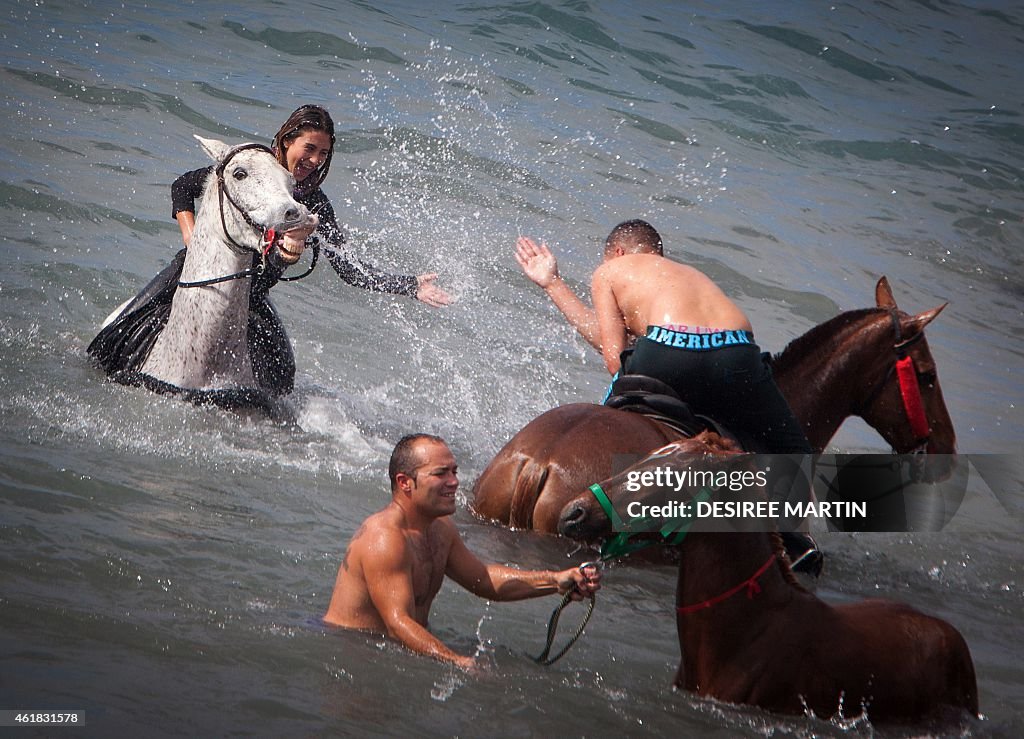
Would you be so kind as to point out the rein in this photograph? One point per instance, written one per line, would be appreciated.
(249, 272)
(751, 584)
(267, 235)
(312, 264)
(258, 269)
(543, 658)
(618, 546)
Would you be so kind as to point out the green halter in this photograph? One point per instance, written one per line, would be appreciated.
(620, 545)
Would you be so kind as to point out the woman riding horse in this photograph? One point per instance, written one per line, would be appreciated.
(304, 145)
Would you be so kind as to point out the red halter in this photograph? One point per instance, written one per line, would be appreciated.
(910, 391)
(906, 378)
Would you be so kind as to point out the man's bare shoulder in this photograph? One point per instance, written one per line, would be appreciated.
(657, 267)
(381, 533)
(605, 274)
(652, 262)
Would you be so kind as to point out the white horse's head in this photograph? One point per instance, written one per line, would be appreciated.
(255, 193)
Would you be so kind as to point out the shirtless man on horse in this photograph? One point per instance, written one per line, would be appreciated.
(688, 334)
(399, 557)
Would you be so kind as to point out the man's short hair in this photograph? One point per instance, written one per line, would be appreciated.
(635, 237)
(404, 459)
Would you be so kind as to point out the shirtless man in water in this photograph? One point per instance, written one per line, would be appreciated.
(399, 557)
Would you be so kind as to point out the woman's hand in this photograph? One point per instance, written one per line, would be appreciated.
(429, 293)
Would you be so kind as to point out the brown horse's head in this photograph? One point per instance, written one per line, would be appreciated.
(872, 363)
(906, 404)
(596, 513)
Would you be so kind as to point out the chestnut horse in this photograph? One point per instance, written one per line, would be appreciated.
(851, 365)
(750, 633)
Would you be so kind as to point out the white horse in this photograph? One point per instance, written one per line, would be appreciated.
(201, 349)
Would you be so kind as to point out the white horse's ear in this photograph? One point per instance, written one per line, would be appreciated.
(216, 149)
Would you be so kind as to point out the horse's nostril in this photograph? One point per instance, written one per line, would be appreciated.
(572, 518)
(292, 214)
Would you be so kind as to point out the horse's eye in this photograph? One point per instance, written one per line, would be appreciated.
(239, 174)
(927, 379)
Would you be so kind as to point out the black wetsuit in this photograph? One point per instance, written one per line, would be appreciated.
(725, 376)
(123, 346)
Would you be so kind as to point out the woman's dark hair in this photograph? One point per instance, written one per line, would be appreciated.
(306, 118)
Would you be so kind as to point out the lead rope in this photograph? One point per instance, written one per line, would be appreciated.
(543, 658)
(615, 547)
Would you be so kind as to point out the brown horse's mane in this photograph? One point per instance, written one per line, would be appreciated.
(813, 340)
(717, 444)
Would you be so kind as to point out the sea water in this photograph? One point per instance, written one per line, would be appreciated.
(163, 567)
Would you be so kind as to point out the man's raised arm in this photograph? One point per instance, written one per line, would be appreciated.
(539, 264)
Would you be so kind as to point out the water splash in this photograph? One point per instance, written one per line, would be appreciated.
(454, 679)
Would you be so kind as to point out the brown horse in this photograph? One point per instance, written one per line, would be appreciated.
(845, 367)
(750, 633)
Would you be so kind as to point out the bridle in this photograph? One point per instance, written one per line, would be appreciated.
(680, 529)
(267, 235)
(910, 389)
